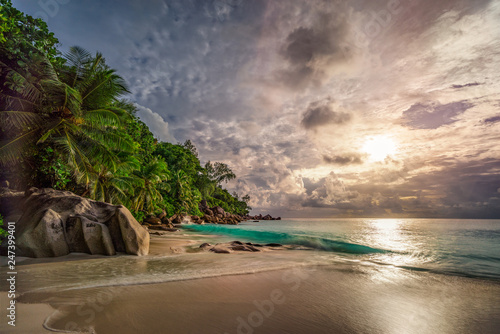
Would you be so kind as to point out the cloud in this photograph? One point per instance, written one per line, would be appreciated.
(343, 160)
(466, 85)
(156, 123)
(493, 119)
(312, 50)
(320, 115)
(432, 115)
(240, 79)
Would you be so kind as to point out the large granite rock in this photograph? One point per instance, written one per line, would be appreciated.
(54, 223)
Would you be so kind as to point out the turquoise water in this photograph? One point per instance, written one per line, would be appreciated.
(455, 247)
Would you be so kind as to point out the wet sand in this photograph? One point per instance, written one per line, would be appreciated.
(341, 298)
(320, 300)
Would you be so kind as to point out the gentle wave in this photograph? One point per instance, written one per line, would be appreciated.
(289, 239)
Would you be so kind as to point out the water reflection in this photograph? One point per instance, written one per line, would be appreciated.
(400, 238)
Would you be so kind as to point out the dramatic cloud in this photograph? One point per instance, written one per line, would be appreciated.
(288, 93)
(312, 50)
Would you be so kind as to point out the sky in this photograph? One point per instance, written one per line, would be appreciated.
(361, 108)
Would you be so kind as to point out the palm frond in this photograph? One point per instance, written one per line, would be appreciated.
(11, 150)
(19, 119)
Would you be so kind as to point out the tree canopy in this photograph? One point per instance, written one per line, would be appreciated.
(67, 125)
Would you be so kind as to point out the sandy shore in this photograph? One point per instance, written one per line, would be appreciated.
(287, 301)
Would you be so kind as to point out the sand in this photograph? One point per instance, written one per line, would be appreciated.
(305, 300)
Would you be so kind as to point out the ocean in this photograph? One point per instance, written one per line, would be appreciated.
(461, 247)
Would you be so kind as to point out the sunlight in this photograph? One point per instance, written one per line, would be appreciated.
(379, 147)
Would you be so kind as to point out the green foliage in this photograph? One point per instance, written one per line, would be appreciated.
(24, 35)
(3, 233)
(139, 215)
(66, 125)
(51, 170)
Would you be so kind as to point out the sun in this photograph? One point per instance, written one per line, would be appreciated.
(379, 147)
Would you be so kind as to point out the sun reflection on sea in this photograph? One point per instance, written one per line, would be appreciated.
(403, 249)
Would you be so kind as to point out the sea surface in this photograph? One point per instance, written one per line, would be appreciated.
(462, 247)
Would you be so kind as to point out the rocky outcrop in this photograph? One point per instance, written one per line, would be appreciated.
(211, 215)
(260, 217)
(55, 223)
(216, 215)
(238, 246)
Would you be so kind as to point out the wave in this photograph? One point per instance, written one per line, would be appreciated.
(318, 243)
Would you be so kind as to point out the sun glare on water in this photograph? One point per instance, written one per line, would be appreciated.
(379, 147)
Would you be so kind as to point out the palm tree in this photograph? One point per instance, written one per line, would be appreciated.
(150, 175)
(73, 110)
(115, 186)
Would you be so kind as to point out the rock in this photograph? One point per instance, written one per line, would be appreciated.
(162, 214)
(239, 248)
(253, 249)
(237, 242)
(205, 245)
(195, 218)
(220, 250)
(55, 223)
(274, 245)
(208, 212)
(176, 219)
(267, 217)
(255, 221)
(166, 220)
(217, 210)
(153, 221)
(203, 205)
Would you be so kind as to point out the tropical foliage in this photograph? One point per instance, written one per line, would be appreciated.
(66, 125)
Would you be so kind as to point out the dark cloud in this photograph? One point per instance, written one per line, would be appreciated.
(493, 119)
(343, 160)
(466, 85)
(320, 115)
(432, 115)
(310, 51)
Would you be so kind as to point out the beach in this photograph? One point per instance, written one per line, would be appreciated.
(180, 289)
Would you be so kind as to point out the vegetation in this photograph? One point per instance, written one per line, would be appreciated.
(3, 232)
(66, 125)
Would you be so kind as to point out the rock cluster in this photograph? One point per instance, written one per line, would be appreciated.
(54, 223)
(211, 215)
(216, 215)
(238, 246)
(260, 217)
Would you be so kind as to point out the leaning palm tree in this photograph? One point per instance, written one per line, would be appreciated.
(73, 110)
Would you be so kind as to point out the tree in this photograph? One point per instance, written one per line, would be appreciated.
(24, 36)
(219, 172)
(74, 112)
(116, 187)
(151, 175)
